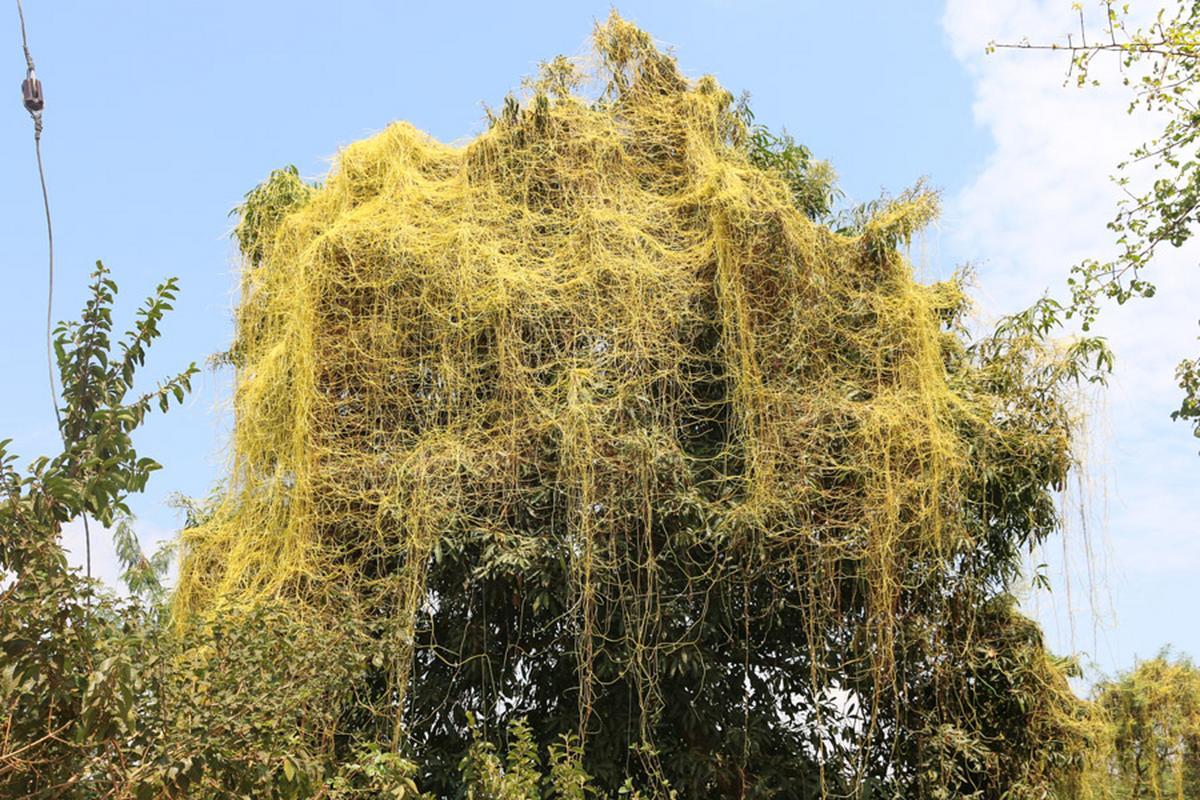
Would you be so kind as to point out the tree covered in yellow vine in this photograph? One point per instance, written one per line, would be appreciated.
(603, 429)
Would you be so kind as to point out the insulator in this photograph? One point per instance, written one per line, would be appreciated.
(31, 92)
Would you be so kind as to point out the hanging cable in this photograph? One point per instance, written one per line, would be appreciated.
(35, 103)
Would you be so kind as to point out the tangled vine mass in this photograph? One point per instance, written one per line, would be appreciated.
(591, 430)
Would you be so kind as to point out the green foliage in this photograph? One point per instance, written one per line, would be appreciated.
(99, 465)
(519, 774)
(249, 706)
(141, 574)
(264, 207)
(373, 772)
(813, 183)
(1188, 375)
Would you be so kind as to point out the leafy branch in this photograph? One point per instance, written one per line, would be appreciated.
(1160, 63)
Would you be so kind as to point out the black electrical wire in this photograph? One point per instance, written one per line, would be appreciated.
(34, 103)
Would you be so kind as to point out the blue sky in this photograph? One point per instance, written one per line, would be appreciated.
(161, 115)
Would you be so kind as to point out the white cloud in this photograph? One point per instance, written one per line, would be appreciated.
(1039, 204)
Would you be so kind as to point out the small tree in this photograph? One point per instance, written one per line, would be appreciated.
(1155, 713)
(67, 653)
